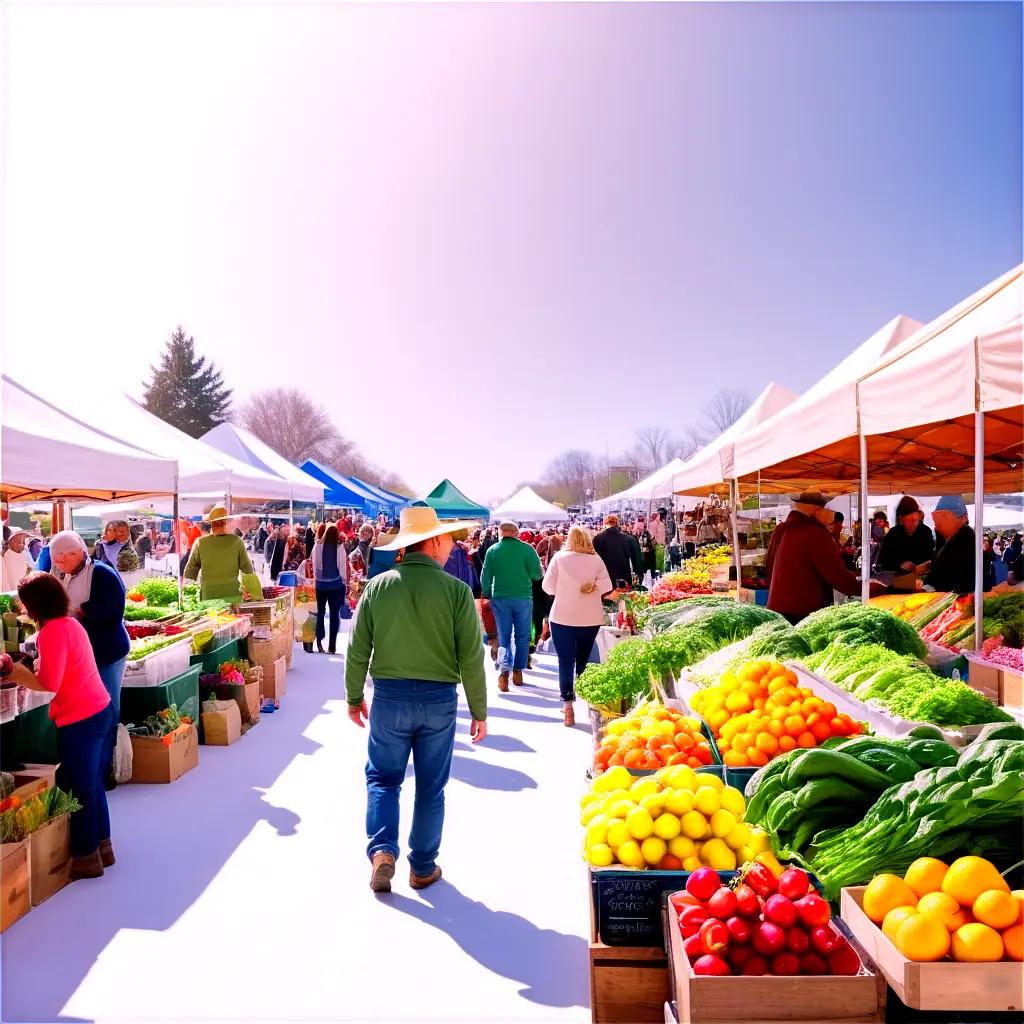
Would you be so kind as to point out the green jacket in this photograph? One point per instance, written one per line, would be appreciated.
(510, 567)
(417, 622)
(219, 558)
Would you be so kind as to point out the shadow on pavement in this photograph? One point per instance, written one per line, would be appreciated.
(158, 874)
(506, 712)
(483, 775)
(551, 966)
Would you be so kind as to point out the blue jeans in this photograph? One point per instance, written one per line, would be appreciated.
(514, 615)
(112, 675)
(409, 716)
(573, 645)
(84, 763)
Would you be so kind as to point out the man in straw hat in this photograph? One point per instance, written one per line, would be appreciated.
(803, 564)
(417, 633)
(219, 557)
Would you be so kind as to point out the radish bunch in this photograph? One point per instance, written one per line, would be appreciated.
(765, 925)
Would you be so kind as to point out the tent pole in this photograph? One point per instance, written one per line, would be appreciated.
(734, 492)
(865, 530)
(176, 534)
(979, 529)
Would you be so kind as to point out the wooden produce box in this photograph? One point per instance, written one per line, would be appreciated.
(49, 858)
(15, 883)
(153, 760)
(857, 999)
(628, 984)
(944, 986)
(1001, 685)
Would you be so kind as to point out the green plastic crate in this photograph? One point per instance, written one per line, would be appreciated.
(139, 702)
(212, 661)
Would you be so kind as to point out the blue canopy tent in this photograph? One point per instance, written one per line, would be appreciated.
(343, 492)
(393, 502)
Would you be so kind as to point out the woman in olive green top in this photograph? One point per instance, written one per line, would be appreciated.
(219, 558)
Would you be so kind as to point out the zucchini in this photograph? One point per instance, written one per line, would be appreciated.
(759, 804)
(817, 791)
(774, 767)
(836, 764)
(814, 823)
(780, 811)
(926, 732)
(1000, 731)
(892, 763)
(932, 753)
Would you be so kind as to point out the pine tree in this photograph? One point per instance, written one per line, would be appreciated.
(185, 390)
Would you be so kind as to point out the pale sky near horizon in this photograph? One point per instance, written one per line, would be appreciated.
(480, 235)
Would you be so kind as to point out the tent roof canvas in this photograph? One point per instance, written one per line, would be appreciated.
(527, 506)
(450, 503)
(710, 468)
(47, 453)
(392, 501)
(340, 491)
(248, 448)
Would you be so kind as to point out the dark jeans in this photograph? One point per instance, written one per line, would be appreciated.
(514, 616)
(541, 608)
(112, 676)
(84, 763)
(329, 598)
(409, 716)
(573, 645)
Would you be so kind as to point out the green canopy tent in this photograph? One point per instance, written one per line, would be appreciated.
(450, 503)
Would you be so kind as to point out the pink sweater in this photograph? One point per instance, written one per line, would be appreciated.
(67, 668)
(567, 572)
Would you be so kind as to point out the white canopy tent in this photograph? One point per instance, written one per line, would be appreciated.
(780, 452)
(658, 485)
(248, 448)
(203, 471)
(710, 469)
(527, 506)
(48, 454)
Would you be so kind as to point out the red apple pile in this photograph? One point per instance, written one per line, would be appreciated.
(765, 925)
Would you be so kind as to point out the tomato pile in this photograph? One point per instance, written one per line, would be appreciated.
(761, 711)
(652, 739)
(768, 924)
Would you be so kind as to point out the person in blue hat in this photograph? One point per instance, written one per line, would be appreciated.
(952, 569)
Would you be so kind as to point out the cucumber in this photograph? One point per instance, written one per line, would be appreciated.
(759, 804)
(780, 811)
(933, 753)
(817, 791)
(835, 764)
(891, 763)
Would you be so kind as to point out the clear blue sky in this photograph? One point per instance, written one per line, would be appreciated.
(483, 234)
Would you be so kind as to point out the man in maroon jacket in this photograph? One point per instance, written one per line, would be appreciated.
(803, 564)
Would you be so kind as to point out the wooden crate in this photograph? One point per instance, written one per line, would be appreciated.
(945, 986)
(770, 1000)
(628, 984)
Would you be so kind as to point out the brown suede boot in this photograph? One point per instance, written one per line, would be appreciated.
(422, 881)
(107, 853)
(382, 873)
(503, 682)
(517, 677)
(87, 867)
(569, 713)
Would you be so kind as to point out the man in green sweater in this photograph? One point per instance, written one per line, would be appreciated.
(418, 634)
(509, 569)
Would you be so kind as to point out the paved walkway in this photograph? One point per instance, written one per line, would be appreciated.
(240, 892)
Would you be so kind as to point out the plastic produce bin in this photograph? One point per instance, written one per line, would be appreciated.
(161, 665)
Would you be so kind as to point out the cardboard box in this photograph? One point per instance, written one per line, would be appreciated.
(1001, 685)
(753, 1000)
(154, 760)
(945, 985)
(222, 723)
(15, 883)
(274, 675)
(34, 779)
(49, 858)
(251, 709)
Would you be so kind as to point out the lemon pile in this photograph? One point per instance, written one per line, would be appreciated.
(673, 820)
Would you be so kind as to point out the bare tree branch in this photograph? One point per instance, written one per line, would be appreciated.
(725, 408)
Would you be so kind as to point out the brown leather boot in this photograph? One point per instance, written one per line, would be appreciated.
(383, 870)
(569, 713)
(517, 677)
(503, 682)
(494, 653)
(107, 853)
(87, 867)
(422, 881)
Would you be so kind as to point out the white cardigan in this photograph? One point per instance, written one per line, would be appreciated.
(567, 572)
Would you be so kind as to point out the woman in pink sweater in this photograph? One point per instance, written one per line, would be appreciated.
(82, 712)
(578, 581)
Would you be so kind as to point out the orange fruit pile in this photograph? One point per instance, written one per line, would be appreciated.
(964, 910)
(653, 740)
(761, 711)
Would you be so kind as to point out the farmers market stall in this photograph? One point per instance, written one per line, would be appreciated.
(822, 776)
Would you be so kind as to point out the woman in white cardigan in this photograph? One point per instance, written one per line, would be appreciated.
(578, 580)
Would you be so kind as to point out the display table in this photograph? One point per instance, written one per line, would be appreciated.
(29, 738)
(607, 638)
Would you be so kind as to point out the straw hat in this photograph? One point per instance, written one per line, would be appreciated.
(420, 522)
(217, 514)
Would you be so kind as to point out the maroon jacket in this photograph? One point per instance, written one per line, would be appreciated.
(804, 566)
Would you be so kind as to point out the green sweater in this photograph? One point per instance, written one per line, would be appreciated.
(510, 567)
(220, 558)
(417, 622)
